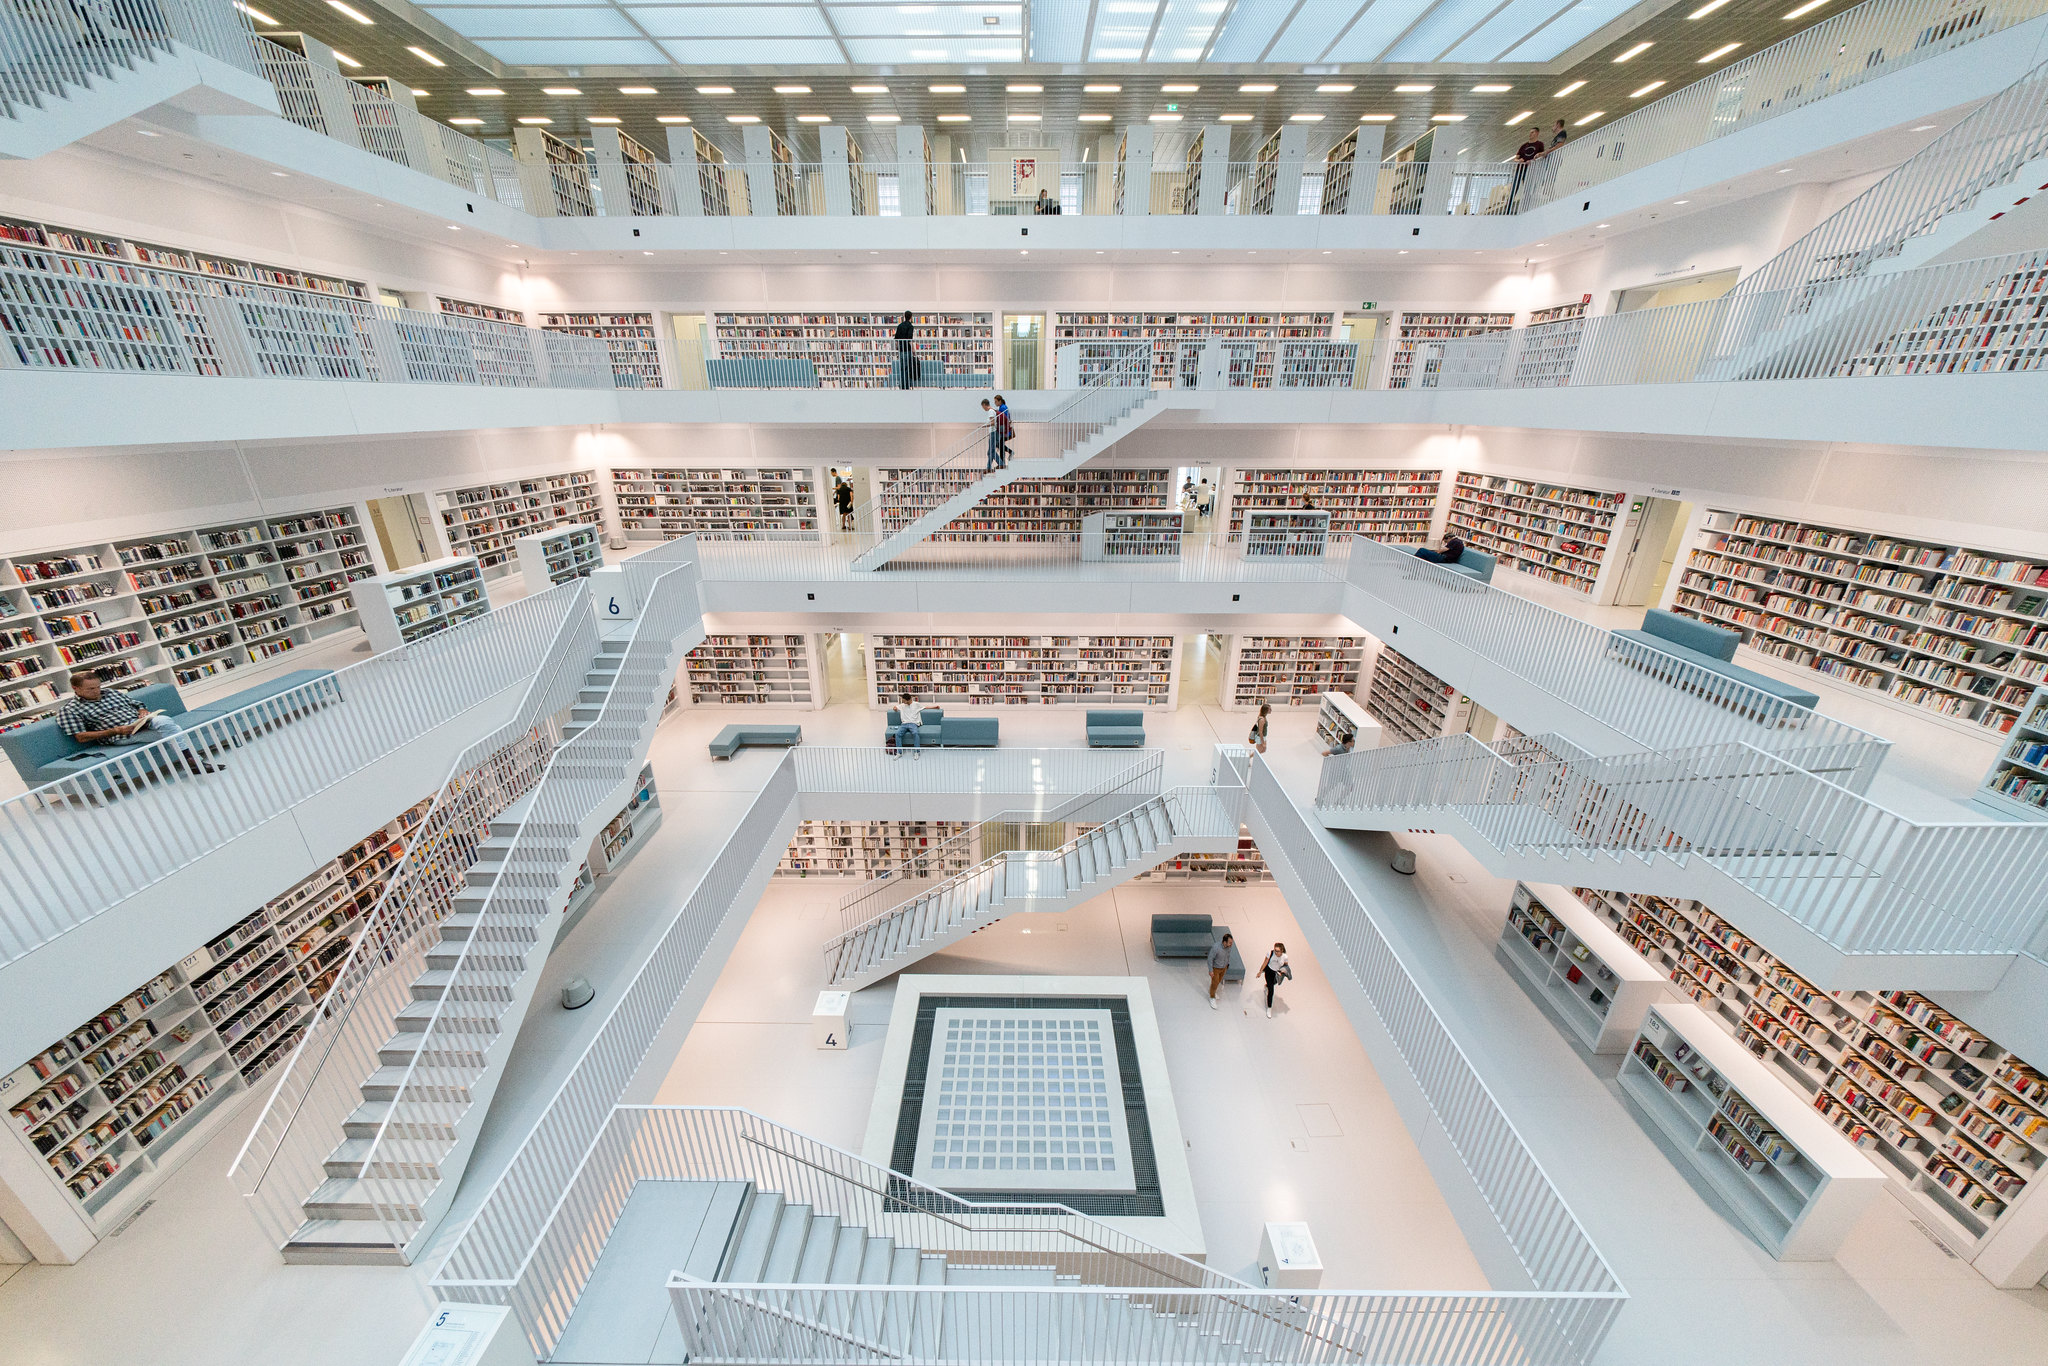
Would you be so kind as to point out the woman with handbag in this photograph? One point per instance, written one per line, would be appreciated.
(1257, 739)
(1275, 970)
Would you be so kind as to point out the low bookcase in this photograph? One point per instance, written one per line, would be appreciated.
(1572, 962)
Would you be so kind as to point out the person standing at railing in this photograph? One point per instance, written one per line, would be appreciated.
(95, 716)
(1555, 155)
(1527, 155)
(906, 357)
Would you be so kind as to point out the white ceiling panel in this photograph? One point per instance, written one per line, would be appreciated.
(927, 21)
(1185, 30)
(573, 52)
(733, 21)
(754, 52)
(1568, 28)
(452, 15)
(1442, 28)
(1058, 29)
(1383, 25)
(547, 23)
(1249, 27)
(891, 51)
(1314, 27)
(1505, 30)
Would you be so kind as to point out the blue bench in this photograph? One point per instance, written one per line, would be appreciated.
(933, 375)
(730, 740)
(761, 372)
(1472, 564)
(1189, 936)
(961, 732)
(1116, 729)
(1710, 648)
(42, 753)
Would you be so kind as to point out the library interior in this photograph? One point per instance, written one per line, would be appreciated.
(576, 581)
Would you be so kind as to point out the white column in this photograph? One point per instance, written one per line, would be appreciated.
(611, 172)
(1137, 170)
(536, 177)
(682, 161)
(1365, 168)
(838, 190)
(910, 171)
(330, 92)
(1287, 173)
(1215, 168)
(760, 171)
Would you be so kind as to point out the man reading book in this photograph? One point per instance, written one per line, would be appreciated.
(95, 715)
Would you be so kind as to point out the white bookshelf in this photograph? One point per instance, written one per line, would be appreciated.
(173, 606)
(1957, 1122)
(2017, 784)
(867, 849)
(411, 604)
(1387, 505)
(1574, 962)
(1957, 632)
(556, 557)
(1549, 531)
(1413, 703)
(1244, 866)
(487, 520)
(1998, 330)
(629, 338)
(1145, 535)
(1025, 670)
(1289, 671)
(661, 503)
(106, 1108)
(780, 670)
(1168, 330)
(1789, 1176)
(623, 836)
(1281, 533)
(1414, 329)
(858, 350)
(1340, 720)
(1025, 509)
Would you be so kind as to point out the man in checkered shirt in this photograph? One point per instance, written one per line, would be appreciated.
(95, 715)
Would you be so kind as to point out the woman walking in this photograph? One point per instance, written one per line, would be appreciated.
(1257, 739)
(1275, 971)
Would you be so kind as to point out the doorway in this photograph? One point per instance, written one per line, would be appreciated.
(1366, 329)
(693, 346)
(405, 530)
(843, 660)
(857, 477)
(1023, 350)
(1650, 534)
(1201, 670)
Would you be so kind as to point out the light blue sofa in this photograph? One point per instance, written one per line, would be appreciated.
(1707, 647)
(1473, 564)
(729, 741)
(761, 372)
(960, 732)
(1116, 729)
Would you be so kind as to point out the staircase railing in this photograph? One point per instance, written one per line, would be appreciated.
(400, 1170)
(1623, 687)
(1860, 877)
(69, 851)
(280, 1163)
(1019, 828)
(49, 47)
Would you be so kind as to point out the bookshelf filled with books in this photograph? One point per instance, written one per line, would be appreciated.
(1417, 328)
(1168, 330)
(1413, 703)
(1342, 723)
(630, 338)
(723, 504)
(1340, 166)
(412, 604)
(623, 836)
(109, 1106)
(857, 350)
(492, 313)
(1285, 533)
(174, 606)
(1387, 505)
(1025, 670)
(755, 670)
(1024, 510)
(1954, 631)
(555, 557)
(1131, 535)
(1244, 866)
(2017, 784)
(1290, 671)
(1548, 531)
(1574, 962)
(867, 849)
(487, 520)
(1796, 1182)
(1998, 330)
(1958, 1123)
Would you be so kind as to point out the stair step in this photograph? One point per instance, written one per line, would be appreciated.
(788, 1247)
(383, 1084)
(848, 1252)
(750, 1252)
(347, 1198)
(476, 1016)
(408, 1158)
(412, 1120)
(820, 1244)
(341, 1242)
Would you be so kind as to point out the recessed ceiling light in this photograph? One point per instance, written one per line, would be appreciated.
(792, 90)
(453, 228)
(351, 11)
(484, 92)
(1163, 118)
(429, 58)
(534, 120)
(420, 94)
(1653, 85)
(956, 118)
(1375, 118)
(282, 175)
(1567, 90)
(814, 118)
(466, 123)
(1924, 127)
(1400, 253)
(1413, 89)
(947, 89)
(347, 60)
(560, 90)
(1719, 52)
(1025, 89)
(1638, 50)
(742, 118)
(258, 15)
(1784, 170)
(898, 118)
(1526, 113)
(1491, 89)
(1178, 89)
(1304, 118)
(1596, 114)
(1809, 7)
(671, 118)
(600, 118)
(1234, 118)
(869, 89)
(1257, 89)
(1102, 89)
(647, 253)
(637, 90)
(1704, 10)
(1446, 118)
(714, 90)
(1097, 118)
(1606, 225)
(1339, 89)
(1675, 201)
(1024, 118)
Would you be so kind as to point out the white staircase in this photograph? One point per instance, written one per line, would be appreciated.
(1183, 820)
(389, 1178)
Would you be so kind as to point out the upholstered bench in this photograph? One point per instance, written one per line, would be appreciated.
(761, 372)
(1473, 564)
(730, 740)
(1667, 636)
(1189, 936)
(1116, 729)
(935, 728)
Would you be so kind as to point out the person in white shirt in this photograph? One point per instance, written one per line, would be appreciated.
(1275, 970)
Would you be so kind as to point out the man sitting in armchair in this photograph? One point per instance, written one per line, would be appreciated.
(97, 715)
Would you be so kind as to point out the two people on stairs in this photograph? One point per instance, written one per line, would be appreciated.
(1000, 432)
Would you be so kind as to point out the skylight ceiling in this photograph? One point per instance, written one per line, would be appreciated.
(766, 33)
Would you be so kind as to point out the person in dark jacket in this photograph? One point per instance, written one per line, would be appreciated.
(1453, 550)
(1046, 203)
(906, 359)
(1527, 155)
